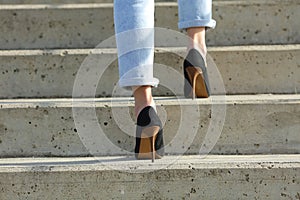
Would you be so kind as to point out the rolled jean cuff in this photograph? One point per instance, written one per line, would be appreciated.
(197, 23)
(139, 75)
(128, 83)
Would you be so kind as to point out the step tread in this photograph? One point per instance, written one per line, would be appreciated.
(172, 162)
(35, 69)
(14, 2)
(84, 51)
(105, 5)
(128, 101)
(254, 124)
(223, 177)
(79, 25)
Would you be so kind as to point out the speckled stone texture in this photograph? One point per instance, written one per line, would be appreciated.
(261, 124)
(44, 154)
(86, 25)
(63, 1)
(244, 69)
(231, 177)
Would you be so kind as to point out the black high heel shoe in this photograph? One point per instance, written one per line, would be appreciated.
(196, 82)
(149, 135)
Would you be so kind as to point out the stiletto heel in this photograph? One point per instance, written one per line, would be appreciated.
(196, 79)
(195, 74)
(152, 139)
(149, 135)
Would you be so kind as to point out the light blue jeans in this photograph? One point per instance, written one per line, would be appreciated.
(134, 27)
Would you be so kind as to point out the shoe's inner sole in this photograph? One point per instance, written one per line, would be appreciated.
(147, 137)
(197, 81)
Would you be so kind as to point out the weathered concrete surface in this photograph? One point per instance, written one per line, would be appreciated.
(86, 25)
(254, 124)
(63, 1)
(52, 1)
(189, 177)
(244, 70)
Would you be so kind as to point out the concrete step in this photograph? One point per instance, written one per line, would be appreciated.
(63, 1)
(86, 25)
(253, 124)
(243, 70)
(187, 177)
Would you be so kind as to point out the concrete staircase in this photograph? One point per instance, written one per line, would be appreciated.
(51, 145)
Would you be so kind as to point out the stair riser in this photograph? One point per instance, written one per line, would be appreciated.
(220, 183)
(243, 71)
(241, 22)
(50, 131)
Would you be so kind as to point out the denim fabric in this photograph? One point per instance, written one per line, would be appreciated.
(134, 27)
(195, 13)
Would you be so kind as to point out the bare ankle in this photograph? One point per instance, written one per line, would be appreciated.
(143, 98)
(197, 39)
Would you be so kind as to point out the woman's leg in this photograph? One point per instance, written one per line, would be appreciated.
(195, 16)
(197, 39)
(134, 27)
(142, 98)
